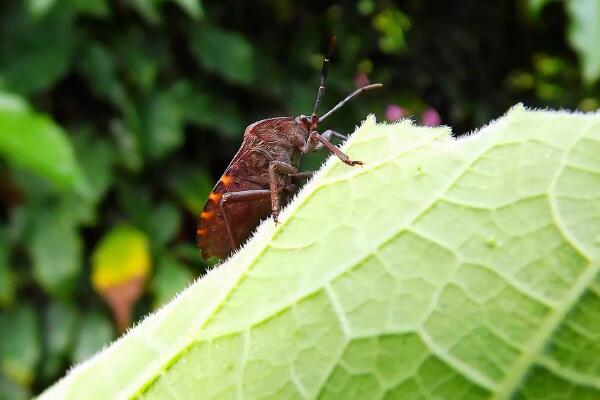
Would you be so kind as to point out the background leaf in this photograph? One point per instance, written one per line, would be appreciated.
(584, 35)
(427, 292)
(60, 324)
(55, 249)
(12, 390)
(165, 224)
(171, 278)
(236, 64)
(121, 255)
(535, 6)
(32, 141)
(20, 347)
(7, 276)
(94, 332)
(192, 188)
(192, 7)
(29, 42)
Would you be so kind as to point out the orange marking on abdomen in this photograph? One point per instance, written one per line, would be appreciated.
(201, 232)
(216, 197)
(227, 180)
(207, 214)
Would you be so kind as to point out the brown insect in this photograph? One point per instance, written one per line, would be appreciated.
(260, 177)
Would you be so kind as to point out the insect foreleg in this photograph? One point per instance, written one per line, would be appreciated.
(275, 168)
(239, 197)
(311, 143)
(303, 175)
(329, 133)
(315, 139)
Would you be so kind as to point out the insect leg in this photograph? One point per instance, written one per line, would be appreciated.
(239, 197)
(303, 175)
(327, 135)
(278, 167)
(311, 143)
(315, 137)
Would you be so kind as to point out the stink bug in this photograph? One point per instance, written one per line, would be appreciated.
(260, 177)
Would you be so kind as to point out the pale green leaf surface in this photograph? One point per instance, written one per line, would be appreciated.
(447, 269)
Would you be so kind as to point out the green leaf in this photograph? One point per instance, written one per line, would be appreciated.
(192, 7)
(40, 7)
(163, 123)
(192, 188)
(59, 326)
(95, 8)
(7, 277)
(20, 349)
(98, 65)
(227, 54)
(441, 269)
(393, 25)
(584, 35)
(32, 141)
(136, 202)
(96, 157)
(165, 221)
(148, 9)
(35, 52)
(59, 330)
(190, 253)
(95, 332)
(171, 278)
(12, 102)
(12, 391)
(214, 111)
(141, 55)
(128, 142)
(55, 248)
(534, 7)
(164, 224)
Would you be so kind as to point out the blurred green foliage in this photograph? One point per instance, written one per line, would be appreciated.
(125, 112)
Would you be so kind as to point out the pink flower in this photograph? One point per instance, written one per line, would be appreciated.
(361, 80)
(430, 117)
(394, 112)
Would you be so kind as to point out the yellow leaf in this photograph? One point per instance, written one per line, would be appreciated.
(121, 255)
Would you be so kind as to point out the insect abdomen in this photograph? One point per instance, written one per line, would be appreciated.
(212, 234)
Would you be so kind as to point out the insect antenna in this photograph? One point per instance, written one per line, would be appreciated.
(324, 71)
(349, 97)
